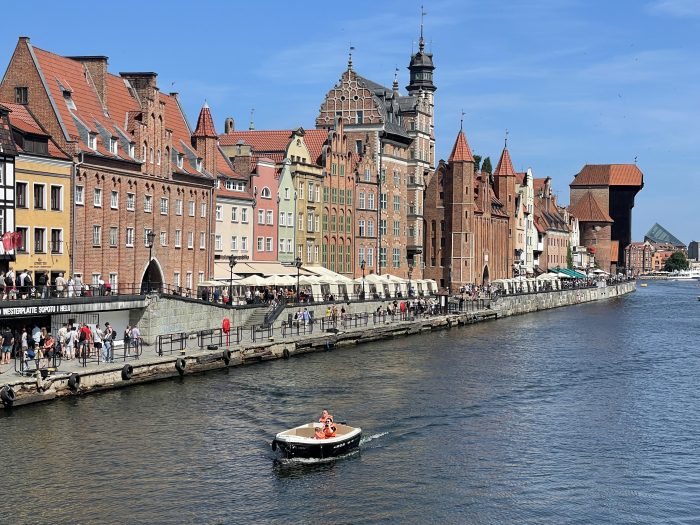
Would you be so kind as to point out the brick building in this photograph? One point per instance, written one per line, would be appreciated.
(468, 229)
(612, 188)
(553, 227)
(638, 257)
(138, 169)
(393, 138)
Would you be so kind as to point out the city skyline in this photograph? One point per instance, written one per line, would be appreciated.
(570, 86)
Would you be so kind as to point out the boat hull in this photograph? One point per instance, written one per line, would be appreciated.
(319, 449)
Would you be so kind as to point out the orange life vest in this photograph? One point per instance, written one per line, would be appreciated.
(320, 434)
(323, 419)
(329, 432)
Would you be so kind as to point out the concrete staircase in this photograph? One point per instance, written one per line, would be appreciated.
(257, 318)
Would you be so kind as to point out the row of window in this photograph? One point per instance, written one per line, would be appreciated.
(131, 202)
(188, 279)
(129, 238)
(234, 214)
(39, 194)
(218, 243)
(40, 238)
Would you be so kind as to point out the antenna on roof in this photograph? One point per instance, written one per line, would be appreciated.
(352, 48)
(635, 159)
(251, 126)
(395, 85)
(506, 145)
(421, 43)
(461, 120)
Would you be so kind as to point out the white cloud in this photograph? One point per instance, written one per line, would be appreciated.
(680, 8)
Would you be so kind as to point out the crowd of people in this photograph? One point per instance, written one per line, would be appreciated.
(21, 285)
(72, 341)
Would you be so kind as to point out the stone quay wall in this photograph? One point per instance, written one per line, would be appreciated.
(163, 315)
(526, 303)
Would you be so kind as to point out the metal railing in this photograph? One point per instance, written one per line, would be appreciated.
(171, 343)
(44, 364)
(88, 354)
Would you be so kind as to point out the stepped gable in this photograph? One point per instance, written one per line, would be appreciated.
(461, 151)
(609, 175)
(586, 209)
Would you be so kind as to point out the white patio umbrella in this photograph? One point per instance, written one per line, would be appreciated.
(253, 280)
(281, 280)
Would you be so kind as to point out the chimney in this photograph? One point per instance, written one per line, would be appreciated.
(97, 67)
(241, 158)
(229, 125)
(144, 83)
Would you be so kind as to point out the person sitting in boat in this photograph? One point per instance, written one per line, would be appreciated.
(325, 415)
(329, 429)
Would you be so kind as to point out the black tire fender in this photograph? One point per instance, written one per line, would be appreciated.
(7, 395)
(285, 353)
(226, 356)
(180, 365)
(127, 372)
(274, 446)
(74, 381)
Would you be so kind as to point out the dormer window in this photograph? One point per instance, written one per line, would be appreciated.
(92, 141)
(180, 160)
(131, 151)
(199, 164)
(113, 144)
(67, 96)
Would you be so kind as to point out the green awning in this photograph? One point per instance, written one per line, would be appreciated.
(568, 273)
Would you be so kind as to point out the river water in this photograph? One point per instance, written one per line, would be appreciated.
(586, 414)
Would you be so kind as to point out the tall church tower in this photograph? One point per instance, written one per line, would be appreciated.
(419, 122)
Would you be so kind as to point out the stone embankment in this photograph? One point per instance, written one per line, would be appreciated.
(110, 376)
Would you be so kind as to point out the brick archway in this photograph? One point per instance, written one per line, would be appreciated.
(485, 275)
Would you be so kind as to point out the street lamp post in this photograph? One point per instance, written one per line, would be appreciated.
(150, 237)
(410, 271)
(297, 263)
(232, 260)
(362, 265)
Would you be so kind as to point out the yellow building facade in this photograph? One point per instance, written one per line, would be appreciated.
(43, 215)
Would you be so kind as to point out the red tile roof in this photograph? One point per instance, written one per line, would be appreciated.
(587, 209)
(205, 124)
(520, 177)
(23, 120)
(271, 142)
(609, 175)
(461, 151)
(505, 166)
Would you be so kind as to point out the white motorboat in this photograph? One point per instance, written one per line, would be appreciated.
(301, 441)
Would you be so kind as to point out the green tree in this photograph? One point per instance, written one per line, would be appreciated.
(569, 258)
(676, 262)
(486, 166)
(477, 163)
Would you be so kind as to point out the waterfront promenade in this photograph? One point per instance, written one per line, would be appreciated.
(197, 354)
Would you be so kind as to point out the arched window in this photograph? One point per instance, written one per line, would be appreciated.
(151, 153)
(158, 157)
(266, 193)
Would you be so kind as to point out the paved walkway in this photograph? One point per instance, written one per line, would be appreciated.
(8, 374)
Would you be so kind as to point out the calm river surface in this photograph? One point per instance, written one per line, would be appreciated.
(587, 414)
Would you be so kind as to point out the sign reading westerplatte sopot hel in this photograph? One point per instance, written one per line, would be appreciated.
(16, 311)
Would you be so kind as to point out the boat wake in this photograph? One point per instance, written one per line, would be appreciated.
(367, 439)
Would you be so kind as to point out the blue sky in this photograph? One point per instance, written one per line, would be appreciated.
(574, 82)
